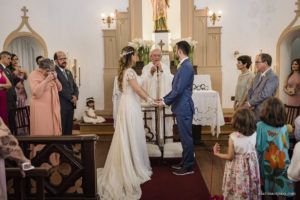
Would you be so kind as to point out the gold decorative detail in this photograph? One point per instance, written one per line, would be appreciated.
(235, 53)
(109, 19)
(214, 17)
(16, 33)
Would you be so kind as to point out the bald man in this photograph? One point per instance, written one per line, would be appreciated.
(68, 95)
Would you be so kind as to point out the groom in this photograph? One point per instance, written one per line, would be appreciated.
(182, 105)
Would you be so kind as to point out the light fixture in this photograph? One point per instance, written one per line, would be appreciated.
(214, 17)
(108, 19)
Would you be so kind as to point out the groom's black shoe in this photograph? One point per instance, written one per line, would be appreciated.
(183, 171)
(177, 166)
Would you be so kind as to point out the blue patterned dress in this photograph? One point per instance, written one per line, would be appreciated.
(272, 148)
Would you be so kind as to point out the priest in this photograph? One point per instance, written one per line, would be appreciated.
(157, 81)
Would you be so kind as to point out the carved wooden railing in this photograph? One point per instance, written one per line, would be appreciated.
(72, 173)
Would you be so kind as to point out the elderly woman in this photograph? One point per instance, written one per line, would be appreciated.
(44, 105)
(9, 148)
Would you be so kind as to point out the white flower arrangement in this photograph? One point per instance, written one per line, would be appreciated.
(192, 43)
(142, 47)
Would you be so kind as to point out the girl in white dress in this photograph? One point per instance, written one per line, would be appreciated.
(89, 114)
(127, 165)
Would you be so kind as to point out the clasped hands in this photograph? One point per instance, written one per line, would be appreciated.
(159, 103)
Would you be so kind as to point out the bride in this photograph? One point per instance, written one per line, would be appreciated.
(127, 165)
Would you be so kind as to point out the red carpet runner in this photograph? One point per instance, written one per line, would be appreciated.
(164, 185)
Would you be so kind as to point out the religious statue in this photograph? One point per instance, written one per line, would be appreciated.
(160, 15)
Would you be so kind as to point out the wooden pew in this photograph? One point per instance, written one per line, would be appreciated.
(38, 174)
(74, 177)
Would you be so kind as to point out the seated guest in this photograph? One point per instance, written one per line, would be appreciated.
(90, 115)
(44, 105)
(244, 81)
(272, 146)
(4, 85)
(21, 73)
(9, 148)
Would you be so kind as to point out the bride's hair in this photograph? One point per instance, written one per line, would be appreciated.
(124, 62)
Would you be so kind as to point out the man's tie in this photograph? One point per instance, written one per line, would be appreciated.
(65, 74)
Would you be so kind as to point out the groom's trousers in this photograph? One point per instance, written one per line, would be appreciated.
(184, 124)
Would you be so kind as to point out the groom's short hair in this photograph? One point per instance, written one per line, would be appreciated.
(184, 46)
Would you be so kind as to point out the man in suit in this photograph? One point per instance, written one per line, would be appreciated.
(264, 85)
(182, 105)
(11, 96)
(68, 95)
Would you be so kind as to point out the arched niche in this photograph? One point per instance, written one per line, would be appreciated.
(284, 50)
(27, 45)
(30, 37)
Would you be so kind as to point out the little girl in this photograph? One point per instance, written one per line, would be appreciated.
(90, 115)
(241, 175)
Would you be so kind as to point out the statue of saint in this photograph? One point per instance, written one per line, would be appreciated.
(160, 15)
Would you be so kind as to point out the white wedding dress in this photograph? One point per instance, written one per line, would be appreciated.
(127, 165)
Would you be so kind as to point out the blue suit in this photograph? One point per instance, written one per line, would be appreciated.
(182, 105)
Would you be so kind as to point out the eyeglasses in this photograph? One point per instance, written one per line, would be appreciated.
(256, 62)
(62, 59)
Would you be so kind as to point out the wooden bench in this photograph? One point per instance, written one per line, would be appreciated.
(38, 174)
(74, 177)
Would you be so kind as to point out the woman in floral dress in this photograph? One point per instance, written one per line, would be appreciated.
(241, 175)
(272, 148)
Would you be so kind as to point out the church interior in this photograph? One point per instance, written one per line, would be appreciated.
(92, 34)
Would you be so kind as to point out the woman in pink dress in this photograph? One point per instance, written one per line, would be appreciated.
(4, 85)
(292, 84)
(44, 104)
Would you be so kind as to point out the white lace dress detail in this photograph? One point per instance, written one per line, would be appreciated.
(127, 164)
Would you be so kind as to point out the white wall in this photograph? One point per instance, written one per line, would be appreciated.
(70, 26)
(75, 27)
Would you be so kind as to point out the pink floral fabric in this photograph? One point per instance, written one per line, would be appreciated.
(241, 175)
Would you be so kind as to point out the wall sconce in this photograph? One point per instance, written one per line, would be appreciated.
(214, 17)
(108, 19)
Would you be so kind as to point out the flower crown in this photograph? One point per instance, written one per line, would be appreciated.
(126, 53)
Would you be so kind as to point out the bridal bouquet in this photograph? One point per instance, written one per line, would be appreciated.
(143, 48)
(192, 43)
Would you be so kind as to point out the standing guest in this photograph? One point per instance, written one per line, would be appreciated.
(182, 105)
(39, 59)
(294, 168)
(292, 84)
(44, 105)
(272, 146)
(68, 95)
(5, 59)
(21, 73)
(244, 81)
(264, 84)
(242, 165)
(4, 85)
